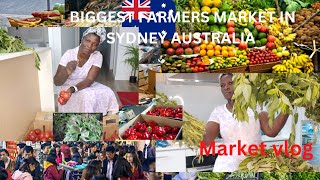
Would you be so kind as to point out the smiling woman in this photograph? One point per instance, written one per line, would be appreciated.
(76, 75)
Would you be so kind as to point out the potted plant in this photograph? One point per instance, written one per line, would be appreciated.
(133, 60)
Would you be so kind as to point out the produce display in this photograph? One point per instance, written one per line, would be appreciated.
(171, 112)
(272, 162)
(222, 175)
(270, 34)
(150, 131)
(97, 6)
(211, 175)
(193, 128)
(279, 92)
(63, 98)
(259, 56)
(77, 127)
(47, 18)
(10, 44)
(38, 135)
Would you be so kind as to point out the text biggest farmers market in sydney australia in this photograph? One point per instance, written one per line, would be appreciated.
(173, 17)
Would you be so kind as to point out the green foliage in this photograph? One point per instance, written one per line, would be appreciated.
(133, 58)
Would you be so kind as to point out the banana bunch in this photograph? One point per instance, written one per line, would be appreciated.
(181, 5)
(195, 7)
(281, 31)
(295, 64)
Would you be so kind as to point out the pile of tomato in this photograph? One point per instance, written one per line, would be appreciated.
(170, 112)
(38, 135)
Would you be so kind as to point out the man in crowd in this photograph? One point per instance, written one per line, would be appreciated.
(8, 162)
(28, 152)
(20, 148)
(45, 149)
(149, 169)
(109, 162)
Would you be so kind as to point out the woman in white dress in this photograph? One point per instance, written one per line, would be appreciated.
(222, 121)
(77, 72)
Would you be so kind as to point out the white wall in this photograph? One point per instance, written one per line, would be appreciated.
(123, 71)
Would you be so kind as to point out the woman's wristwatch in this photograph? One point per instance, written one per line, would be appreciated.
(73, 89)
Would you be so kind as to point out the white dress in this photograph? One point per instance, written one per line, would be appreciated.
(231, 131)
(97, 98)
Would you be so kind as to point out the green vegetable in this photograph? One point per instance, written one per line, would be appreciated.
(276, 175)
(242, 175)
(306, 175)
(10, 44)
(211, 175)
(77, 127)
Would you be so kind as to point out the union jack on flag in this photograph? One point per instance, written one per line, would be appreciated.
(138, 12)
(135, 7)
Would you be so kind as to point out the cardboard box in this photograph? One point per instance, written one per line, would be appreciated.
(151, 81)
(43, 121)
(141, 75)
(110, 126)
(143, 81)
(154, 107)
(162, 121)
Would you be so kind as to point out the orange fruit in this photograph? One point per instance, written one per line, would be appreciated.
(209, 47)
(203, 52)
(224, 48)
(210, 53)
(205, 42)
(212, 43)
(217, 48)
(224, 53)
(217, 52)
(230, 48)
(231, 54)
(203, 46)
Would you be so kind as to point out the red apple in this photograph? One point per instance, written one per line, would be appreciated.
(166, 44)
(175, 45)
(179, 51)
(170, 51)
(196, 49)
(185, 45)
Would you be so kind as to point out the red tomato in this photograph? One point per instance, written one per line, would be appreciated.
(242, 45)
(201, 69)
(231, 30)
(47, 135)
(271, 38)
(32, 132)
(37, 132)
(195, 70)
(32, 137)
(230, 24)
(264, 29)
(259, 27)
(65, 95)
(43, 139)
(61, 101)
(270, 45)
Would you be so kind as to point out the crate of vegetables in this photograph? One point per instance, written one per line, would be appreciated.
(145, 127)
(171, 112)
(41, 128)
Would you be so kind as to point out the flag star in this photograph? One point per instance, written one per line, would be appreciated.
(171, 11)
(163, 5)
(164, 32)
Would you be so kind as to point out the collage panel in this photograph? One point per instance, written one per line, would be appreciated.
(214, 134)
(54, 80)
(34, 13)
(78, 160)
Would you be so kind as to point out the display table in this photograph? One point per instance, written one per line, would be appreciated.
(24, 90)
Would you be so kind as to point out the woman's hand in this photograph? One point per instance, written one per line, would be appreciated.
(71, 66)
(278, 124)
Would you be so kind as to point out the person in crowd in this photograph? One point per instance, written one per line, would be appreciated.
(27, 153)
(141, 157)
(59, 154)
(109, 162)
(76, 155)
(65, 150)
(97, 164)
(77, 73)
(122, 169)
(102, 155)
(97, 154)
(27, 167)
(131, 149)
(149, 169)
(9, 163)
(89, 172)
(149, 151)
(20, 147)
(222, 121)
(135, 164)
(4, 173)
(51, 171)
(93, 148)
(45, 149)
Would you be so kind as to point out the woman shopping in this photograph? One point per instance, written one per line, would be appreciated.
(222, 121)
(51, 171)
(25, 170)
(76, 74)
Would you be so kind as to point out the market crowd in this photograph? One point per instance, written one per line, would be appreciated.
(99, 160)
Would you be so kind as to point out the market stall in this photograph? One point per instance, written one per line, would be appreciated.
(52, 16)
(224, 46)
(186, 86)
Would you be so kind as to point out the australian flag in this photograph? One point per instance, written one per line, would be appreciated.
(138, 12)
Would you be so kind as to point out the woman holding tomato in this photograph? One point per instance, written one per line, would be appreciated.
(76, 75)
(222, 121)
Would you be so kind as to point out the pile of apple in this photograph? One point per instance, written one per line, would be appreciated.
(260, 56)
(38, 135)
(175, 48)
